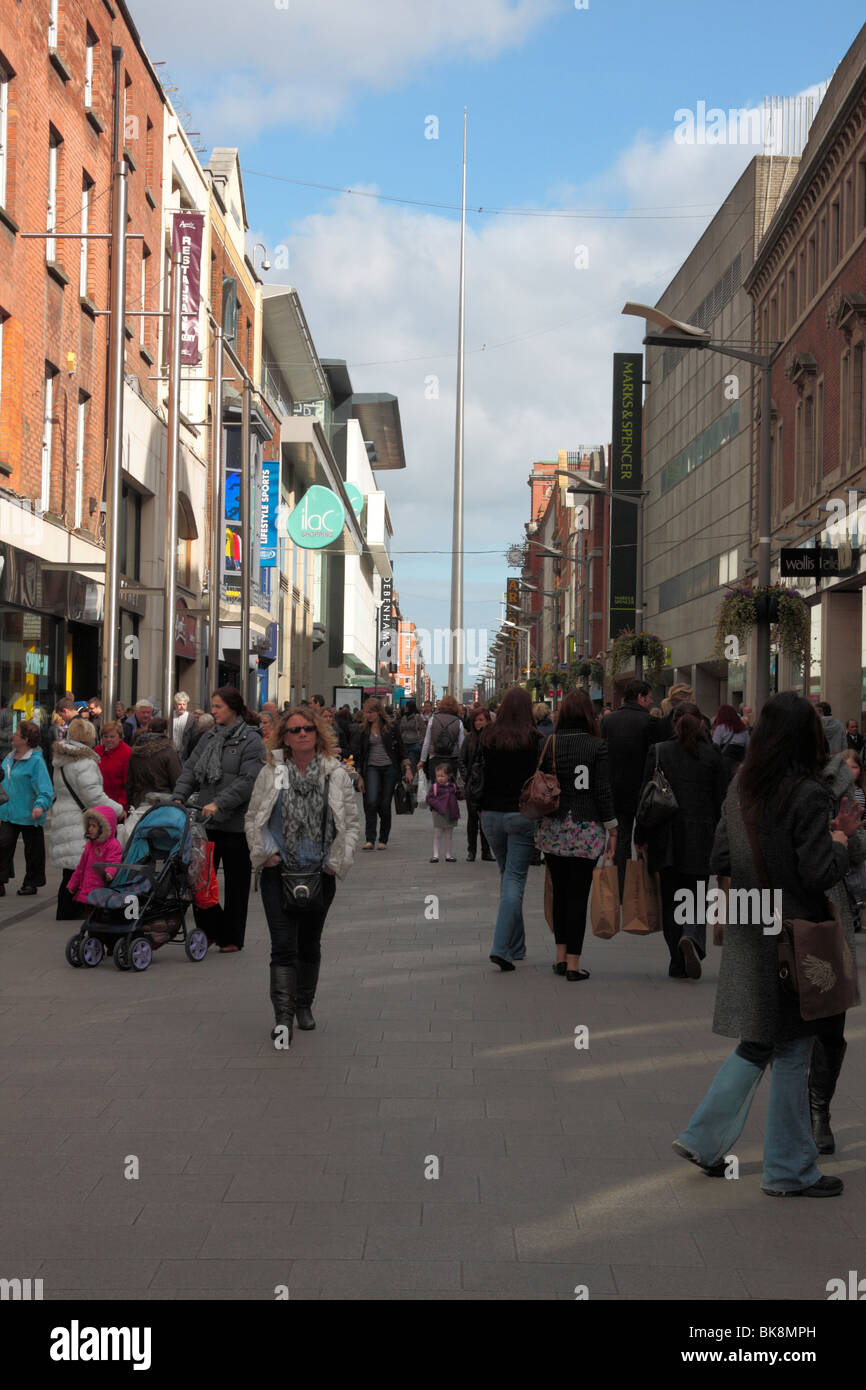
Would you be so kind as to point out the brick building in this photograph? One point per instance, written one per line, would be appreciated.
(808, 289)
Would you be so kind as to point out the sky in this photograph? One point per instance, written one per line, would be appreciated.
(579, 197)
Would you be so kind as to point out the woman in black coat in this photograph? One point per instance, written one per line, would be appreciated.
(679, 851)
(779, 801)
(379, 760)
(470, 752)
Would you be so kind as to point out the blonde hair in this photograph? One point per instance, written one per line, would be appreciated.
(327, 742)
(540, 711)
(81, 731)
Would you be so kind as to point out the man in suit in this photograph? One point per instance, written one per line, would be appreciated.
(629, 731)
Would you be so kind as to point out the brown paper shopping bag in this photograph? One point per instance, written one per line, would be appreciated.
(641, 901)
(604, 905)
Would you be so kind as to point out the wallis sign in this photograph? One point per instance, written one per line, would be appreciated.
(317, 519)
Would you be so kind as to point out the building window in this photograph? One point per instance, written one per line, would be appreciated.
(801, 283)
(844, 406)
(130, 532)
(835, 234)
(774, 320)
(52, 23)
(849, 212)
(54, 143)
(4, 131)
(799, 479)
(86, 186)
(812, 268)
(809, 442)
(857, 405)
(89, 54)
(822, 249)
(47, 436)
(792, 297)
(819, 433)
(80, 437)
(861, 197)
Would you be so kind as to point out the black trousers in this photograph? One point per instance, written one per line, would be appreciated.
(474, 828)
(670, 881)
(296, 938)
(227, 925)
(572, 884)
(34, 853)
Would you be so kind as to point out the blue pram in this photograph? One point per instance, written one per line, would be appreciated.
(145, 905)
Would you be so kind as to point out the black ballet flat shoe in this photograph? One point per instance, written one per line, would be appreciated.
(470, 858)
(28, 891)
(559, 967)
(576, 975)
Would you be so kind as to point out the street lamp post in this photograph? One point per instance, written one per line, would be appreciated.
(687, 335)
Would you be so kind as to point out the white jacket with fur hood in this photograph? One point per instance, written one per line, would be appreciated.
(65, 829)
(341, 800)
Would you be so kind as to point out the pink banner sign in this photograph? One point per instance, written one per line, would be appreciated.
(186, 241)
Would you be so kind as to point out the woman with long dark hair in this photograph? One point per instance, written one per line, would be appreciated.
(778, 803)
(469, 755)
(584, 825)
(679, 851)
(511, 747)
(284, 828)
(223, 771)
(380, 758)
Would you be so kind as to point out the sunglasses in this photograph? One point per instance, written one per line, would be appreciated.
(301, 729)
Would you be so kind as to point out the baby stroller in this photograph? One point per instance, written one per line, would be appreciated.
(146, 903)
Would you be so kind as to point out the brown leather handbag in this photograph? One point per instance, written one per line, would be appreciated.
(540, 794)
(815, 960)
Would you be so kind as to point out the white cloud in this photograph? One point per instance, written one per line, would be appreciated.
(379, 285)
(306, 62)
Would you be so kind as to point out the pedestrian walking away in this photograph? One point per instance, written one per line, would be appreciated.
(471, 754)
(583, 827)
(443, 737)
(778, 801)
(442, 798)
(222, 772)
(511, 746)
(629, 731)
(26, 800)
(301, 820)
(731, 737)
(380, 760)
(154, 765)
(679, 850)
(412, 729)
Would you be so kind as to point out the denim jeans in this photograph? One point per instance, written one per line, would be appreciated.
(512, 838)
(789, 1149)
(379, 784)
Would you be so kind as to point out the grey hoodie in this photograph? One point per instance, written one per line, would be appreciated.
(835, 731)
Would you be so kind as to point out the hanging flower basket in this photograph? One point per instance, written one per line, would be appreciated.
(629, 645)
(784, 609)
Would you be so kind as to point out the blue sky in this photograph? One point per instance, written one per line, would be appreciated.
(568, 109)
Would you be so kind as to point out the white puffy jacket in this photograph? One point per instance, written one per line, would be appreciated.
(65, 828)
(341, 800)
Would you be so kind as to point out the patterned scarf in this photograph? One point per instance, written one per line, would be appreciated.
(303, 800)
(210, 767)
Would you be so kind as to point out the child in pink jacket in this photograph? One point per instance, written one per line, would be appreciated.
(442, 799)
(101, 843)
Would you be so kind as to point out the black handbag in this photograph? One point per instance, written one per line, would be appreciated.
(404, 804)
(657, 801)
(475, 781)
(303, 892)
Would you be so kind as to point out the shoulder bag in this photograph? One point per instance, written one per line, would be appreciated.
(540, 794)
(302, 892)
(815, 962)
(475, 781)
(657, 801)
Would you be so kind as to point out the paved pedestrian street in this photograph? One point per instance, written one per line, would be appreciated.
(439, 1136)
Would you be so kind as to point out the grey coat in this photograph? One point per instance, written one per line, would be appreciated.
(804, 862)
(840, 780)
(243, 758)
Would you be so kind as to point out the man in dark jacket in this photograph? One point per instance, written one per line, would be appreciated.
(154, 764)
(629, 731)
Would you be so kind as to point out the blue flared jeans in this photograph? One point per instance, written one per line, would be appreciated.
(512, 838)
(789, 1149)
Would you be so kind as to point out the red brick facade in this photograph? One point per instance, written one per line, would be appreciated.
(46, 320)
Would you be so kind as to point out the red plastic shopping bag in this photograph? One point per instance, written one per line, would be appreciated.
(207, 892)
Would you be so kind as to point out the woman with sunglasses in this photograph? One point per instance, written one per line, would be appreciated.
(284, 828)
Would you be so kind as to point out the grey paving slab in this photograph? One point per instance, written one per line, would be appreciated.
(308, 1168)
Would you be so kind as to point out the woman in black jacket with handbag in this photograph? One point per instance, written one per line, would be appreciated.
(470, 753)
(583, 826)
(679, 850)
(379, 759)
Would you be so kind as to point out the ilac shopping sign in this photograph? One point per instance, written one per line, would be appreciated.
(317, 520)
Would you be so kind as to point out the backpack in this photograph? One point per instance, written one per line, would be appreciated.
(445, 739)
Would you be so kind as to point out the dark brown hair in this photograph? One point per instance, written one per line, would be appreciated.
(689, 727)
(514, 726)
(577, 712)
(787, 741)
(27, 729)
(231, 696)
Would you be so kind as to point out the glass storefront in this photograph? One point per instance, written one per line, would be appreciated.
(32, 663)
